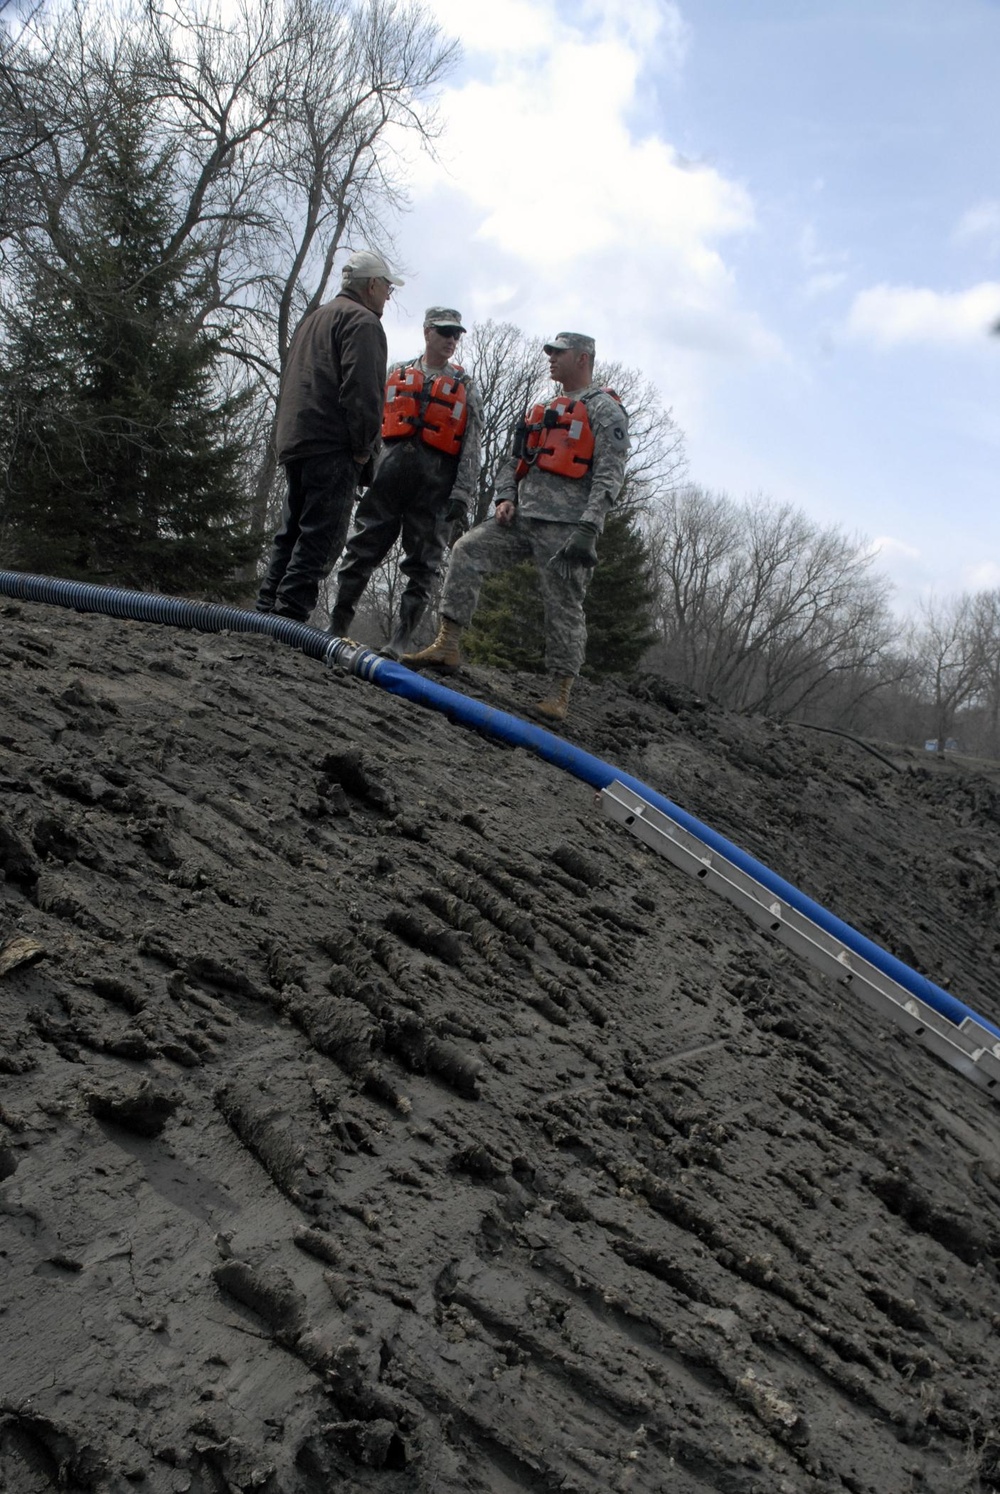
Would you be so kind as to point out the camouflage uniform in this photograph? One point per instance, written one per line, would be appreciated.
(417, 492)
(548, 508)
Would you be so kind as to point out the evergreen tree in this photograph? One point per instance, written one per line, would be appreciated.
(122, 455)
(619, 604)
(508, 628)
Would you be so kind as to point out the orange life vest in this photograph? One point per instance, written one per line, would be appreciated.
(438, 411)
(556, 438)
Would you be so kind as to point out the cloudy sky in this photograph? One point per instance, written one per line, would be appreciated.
(785, 212)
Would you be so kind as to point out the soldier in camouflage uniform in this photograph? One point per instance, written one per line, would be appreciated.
(426, 481)
(551, 500)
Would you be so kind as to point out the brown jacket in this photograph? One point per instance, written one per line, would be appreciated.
(331, 390)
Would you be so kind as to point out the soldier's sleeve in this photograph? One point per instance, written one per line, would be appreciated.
(470, 458)
(609, 423)
(505, 490)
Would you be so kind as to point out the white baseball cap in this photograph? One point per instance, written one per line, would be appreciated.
(368, 264)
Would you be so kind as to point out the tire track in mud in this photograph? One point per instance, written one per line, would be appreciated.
(376, 1131)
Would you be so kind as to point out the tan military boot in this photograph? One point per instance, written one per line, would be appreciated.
(443, 654)
(555, 706)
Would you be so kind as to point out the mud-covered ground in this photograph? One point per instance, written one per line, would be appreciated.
(375, 1115)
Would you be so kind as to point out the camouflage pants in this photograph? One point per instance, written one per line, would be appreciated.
(492, 547)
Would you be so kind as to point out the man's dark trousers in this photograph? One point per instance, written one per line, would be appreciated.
(409, 498)
(316, 518)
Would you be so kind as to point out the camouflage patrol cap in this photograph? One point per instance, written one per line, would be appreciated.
(443, 316)
(579, 342)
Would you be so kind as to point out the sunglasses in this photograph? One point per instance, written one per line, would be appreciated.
(449, 331)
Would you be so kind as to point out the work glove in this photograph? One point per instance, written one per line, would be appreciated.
(579, 549)
(457, 512)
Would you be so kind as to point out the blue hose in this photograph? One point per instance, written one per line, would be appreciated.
(599, 774)
(397, 680)
(146, 606)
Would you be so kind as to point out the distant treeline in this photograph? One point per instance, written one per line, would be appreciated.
(174, 193)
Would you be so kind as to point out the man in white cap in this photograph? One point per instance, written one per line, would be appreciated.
(565, 472)
(426, 480)
(327, 434)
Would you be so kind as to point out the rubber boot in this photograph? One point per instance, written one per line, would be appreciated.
(340, 620)
(443, 654)
(411, 610)
(555, 706)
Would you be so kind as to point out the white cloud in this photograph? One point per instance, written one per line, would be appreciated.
(825, 269)
(980, 222)
(509, 26)
(982, 577)
(564, 192)
(886, 546)
(500, 27)
(890, 316)
(542, 146)
(823, 284)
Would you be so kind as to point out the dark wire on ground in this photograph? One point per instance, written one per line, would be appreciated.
(858, 741)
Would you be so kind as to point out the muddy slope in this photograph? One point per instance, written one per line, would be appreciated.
(375, 1115)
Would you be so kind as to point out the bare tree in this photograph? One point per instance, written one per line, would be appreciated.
(694, 545)
(657, 459)
(873, 697)
(287, 120)
(57, 99)
(985, 624)
(364, 79)
(509, 372)
(760, 607)
(946, 645)
(824, 613)
(24, 128)
(280, 128)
